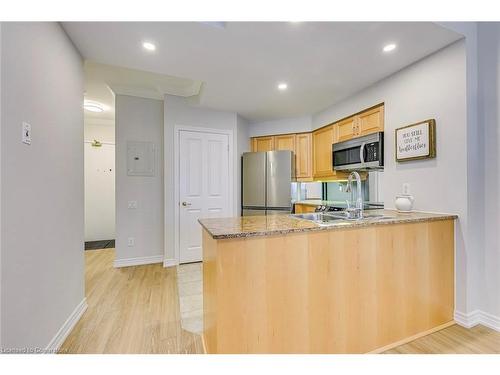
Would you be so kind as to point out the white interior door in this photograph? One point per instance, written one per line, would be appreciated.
(204, 187)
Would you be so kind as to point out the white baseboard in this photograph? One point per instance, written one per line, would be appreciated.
(169, 263)
(137, 261)
(467, 320)
(476, 317)
(490, 321)
(66, 328)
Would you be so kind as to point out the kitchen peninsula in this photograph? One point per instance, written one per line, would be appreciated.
(281, 284)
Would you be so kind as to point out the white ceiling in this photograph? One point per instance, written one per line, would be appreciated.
(240, 64)
(97, 90)
(103, 81)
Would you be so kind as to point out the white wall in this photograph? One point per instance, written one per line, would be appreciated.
(152, 223)
(470, 265)
(489, 104)
(139, 119)
(99, 180)
(434, 87)
(287, 125)
(178, 112)
(100, 129)
(42, 184)
(483, 252)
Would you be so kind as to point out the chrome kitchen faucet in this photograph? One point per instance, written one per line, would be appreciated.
(355, 212)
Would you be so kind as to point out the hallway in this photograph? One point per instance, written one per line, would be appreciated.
(131, 310)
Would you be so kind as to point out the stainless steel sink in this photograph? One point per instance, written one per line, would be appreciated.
(318, 217)
(368, 216)
(332, 218)
(365, 217)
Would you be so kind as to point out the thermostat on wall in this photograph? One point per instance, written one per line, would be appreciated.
(140, 158)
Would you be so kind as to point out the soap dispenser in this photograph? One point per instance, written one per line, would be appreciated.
(404, 202)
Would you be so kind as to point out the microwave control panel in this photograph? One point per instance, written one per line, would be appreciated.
(371, 150)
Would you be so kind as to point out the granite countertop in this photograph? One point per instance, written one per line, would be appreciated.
(255, 226)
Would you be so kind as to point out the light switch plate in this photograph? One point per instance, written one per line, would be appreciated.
(26, 137)
(132, 205)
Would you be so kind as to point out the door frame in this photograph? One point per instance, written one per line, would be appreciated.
(177, 132)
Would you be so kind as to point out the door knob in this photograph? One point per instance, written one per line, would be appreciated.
(185, 204)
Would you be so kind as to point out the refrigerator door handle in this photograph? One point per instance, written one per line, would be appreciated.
(271, 167)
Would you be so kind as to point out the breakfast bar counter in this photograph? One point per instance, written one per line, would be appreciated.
(281, 284)
(252, 226)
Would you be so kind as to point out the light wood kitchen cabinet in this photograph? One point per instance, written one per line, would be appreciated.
(364, 123)
(262, 144)
(284, 142)
(322, 140)
(346, 129)
(371, 121)
(301, 146)
(303, 157)
(347, 290)
(273, 143)
(304, 208)
(313, 151)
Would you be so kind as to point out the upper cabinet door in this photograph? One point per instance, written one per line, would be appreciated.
(284, 142)
(260, 144)
(303, 157)
(346, 129)
(371, 121)
(322, 152)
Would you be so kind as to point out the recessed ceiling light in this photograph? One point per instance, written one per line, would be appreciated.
(282, 86)
(93, 106)
(148, 46)
(389, 47)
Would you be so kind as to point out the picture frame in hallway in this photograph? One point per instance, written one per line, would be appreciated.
(416, 141)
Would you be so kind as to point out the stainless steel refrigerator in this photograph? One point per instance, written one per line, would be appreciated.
(266, 185)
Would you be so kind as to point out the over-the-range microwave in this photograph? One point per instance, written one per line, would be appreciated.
(361, 153)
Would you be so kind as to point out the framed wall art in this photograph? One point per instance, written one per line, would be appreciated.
(416, 141)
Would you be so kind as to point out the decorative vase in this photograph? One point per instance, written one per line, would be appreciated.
(404, 202)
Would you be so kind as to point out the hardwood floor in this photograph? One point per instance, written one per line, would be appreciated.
(454, 340)
(136, 310)
(131, 310)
